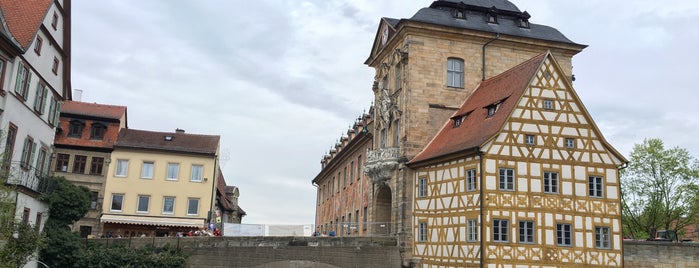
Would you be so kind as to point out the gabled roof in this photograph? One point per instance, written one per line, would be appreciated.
(93, 109)
(23, 18)
(168, 141)
(476, 128)
(223, 191)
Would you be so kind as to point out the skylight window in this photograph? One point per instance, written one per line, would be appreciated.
(168, 138)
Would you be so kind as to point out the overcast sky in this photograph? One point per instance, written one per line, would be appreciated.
(280, 81)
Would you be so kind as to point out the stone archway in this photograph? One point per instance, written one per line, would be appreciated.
(382, 211)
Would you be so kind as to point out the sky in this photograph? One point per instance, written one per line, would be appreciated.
(281, 80)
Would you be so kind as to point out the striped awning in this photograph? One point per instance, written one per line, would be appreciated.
(153, 221)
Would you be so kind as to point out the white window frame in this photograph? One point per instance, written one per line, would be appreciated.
(165, 198)
(471, 180)
(189, 206)
(506, 181)
(422, 187)
(595, 186)
(471, 230)
(602, 237)
(121, 207)
(192, 176)
(122, 168)
(501, 230)
(455, 72)
(550, 181)
(564, 234)
(147, 169)
(176, 171)
(141, 199)
(548, 105)
(527, 232)
(422, 232)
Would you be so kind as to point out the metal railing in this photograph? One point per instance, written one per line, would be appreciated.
(19, 174)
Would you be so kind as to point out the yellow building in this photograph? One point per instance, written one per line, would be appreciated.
(520, 175)
(160, 183)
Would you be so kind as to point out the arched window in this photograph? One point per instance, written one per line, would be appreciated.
(97, 131)
(455, 72)
(75, 129)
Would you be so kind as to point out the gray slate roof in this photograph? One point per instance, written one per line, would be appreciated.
(442, 13)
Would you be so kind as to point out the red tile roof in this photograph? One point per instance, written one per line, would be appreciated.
(23, 18)
(93, 109)
(179, 142)
(477, 127)
(222, 192)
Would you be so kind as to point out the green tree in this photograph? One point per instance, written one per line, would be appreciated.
(67, 204)
(659, 190)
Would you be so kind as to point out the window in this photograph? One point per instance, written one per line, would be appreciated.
(471, 182)
(10, 141)
(550, 182)
(94, 199)
(507, 180)
(595, 186)
(117, 202)
(122, 168)
(570, 143)
(530, 139)
(54, 110)
(524, 23)
(500, 230)
(548, 104)
(97, 131)
(24, 76)
(62, 162)
(351, 172)
(455, 72)
(396, 133)
(143, 201)
(422, 187)
(422, 232)
(147, 170)
(27, 152)
(79, 163)
(563, 234)
(75, 129)
(383, 138)
(37, 45)
(37, 223)
(472, 230)
(168, 205)
(54, 21)
(54, 68)
(197, 172)
(41, 163)
(344, 177)
(40, 100)
(492, 109)
(25, 215)
(458, 120)
(96, 165)
(193, 206)
(359, 167)
(173, 171)
(492, 18)
(526, 232)
(602, 237)
(398, 76)
(366, 216)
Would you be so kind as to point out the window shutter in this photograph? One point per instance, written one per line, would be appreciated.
(25, 151)
(20, 78)
(57, 112)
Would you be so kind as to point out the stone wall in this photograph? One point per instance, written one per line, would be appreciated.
(278, 252)
(660, 254)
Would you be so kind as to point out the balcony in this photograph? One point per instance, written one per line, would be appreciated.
(27, 177)
(381, 163)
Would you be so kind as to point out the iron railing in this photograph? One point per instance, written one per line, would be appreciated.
(29, 177)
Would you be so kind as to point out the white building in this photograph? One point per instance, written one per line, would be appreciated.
(34, 81)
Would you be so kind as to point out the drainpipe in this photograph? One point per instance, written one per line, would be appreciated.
(480, 196)
(497, 35)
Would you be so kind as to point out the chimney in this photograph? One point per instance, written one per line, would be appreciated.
(179, 130)
(77, 94)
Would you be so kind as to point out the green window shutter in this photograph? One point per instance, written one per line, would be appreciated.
(20, 79)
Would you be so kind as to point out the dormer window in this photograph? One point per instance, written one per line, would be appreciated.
(458, 120)
(459, 14)
(524, 23)
(492, 18)
(168, 138)
(492, 109)
(97, 131)
(75, 129)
